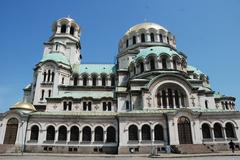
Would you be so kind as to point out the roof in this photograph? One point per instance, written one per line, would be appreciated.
(97, 68)
(92, 94)
(23, 106)
(195, 70)
(157, 51)
(146, 25)
(55, 56)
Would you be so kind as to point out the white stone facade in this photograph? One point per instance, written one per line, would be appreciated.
(150, 98)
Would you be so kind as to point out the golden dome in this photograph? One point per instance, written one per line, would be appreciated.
(146, 26)
(24, 106)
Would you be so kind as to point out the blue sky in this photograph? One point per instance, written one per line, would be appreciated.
(206, 31)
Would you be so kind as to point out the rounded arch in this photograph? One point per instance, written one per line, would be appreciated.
(62, 133)
(146, 132)
(86, 134)
(11, 131)
(230, 130)
(60, 125)
(74, 133)
(34, 132)
(158, 132)
(231, 121)
(98, 133)
(37, 124)
(50, 136)
(111, 134)
(184, 130)
(206, 130)
(133, 133)
(217, 129)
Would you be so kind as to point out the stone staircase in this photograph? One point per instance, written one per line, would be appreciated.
(9, 148)
(192, 148)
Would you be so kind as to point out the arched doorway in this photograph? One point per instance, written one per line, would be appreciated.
(184, 131)
(11, 131)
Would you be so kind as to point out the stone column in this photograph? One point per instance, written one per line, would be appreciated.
(56, 135)
(152, 135)
(167, 98)
(68, 135)
(92, 136)
(139, 135)
(80, 136)
(104, 136)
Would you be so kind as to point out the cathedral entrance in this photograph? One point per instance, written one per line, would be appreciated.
(11, 131)
(184, 131)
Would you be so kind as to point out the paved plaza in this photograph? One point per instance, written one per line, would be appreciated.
(220, 156)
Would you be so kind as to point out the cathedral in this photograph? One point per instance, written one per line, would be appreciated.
(150, 99)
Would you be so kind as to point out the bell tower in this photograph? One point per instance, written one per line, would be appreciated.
(65, 40)
(61, 57)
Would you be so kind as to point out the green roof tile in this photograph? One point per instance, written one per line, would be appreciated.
(98, 68)
(157, 51)
(57, 57)
(195, 70)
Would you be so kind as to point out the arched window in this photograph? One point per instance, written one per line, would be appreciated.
(63, 28)
(49, 93)
(206, 131)
(11, 131)
(134, 39)
(72, 30)
(75, 80)
(164, 99)
(152, 37)
(62, 133)
(230, 131)
(177, 99)
(168, 40)
(42, 94)
(69, 106)
(109, 106)
(34, 133)
(206, 104)
(141, 67)
(126, 43)
(112, 80)
(133, 133)
(89, 106)
(146, 132)
(50, 133)
(142, 37)
(103, 80)
(226, 105)
(111, 134)
(44, 76)
(86, 134)
(94, 80)
(74, 133)
(64, 105)
(217, 128)
(170, 98)
(104, 106)
(152, 63)
(53, 74)
(161, 38)
(98, 134)
(158, 133)
(174, 64)
(182, 99)
(49, 75)
(84, 80)
(164, 63)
